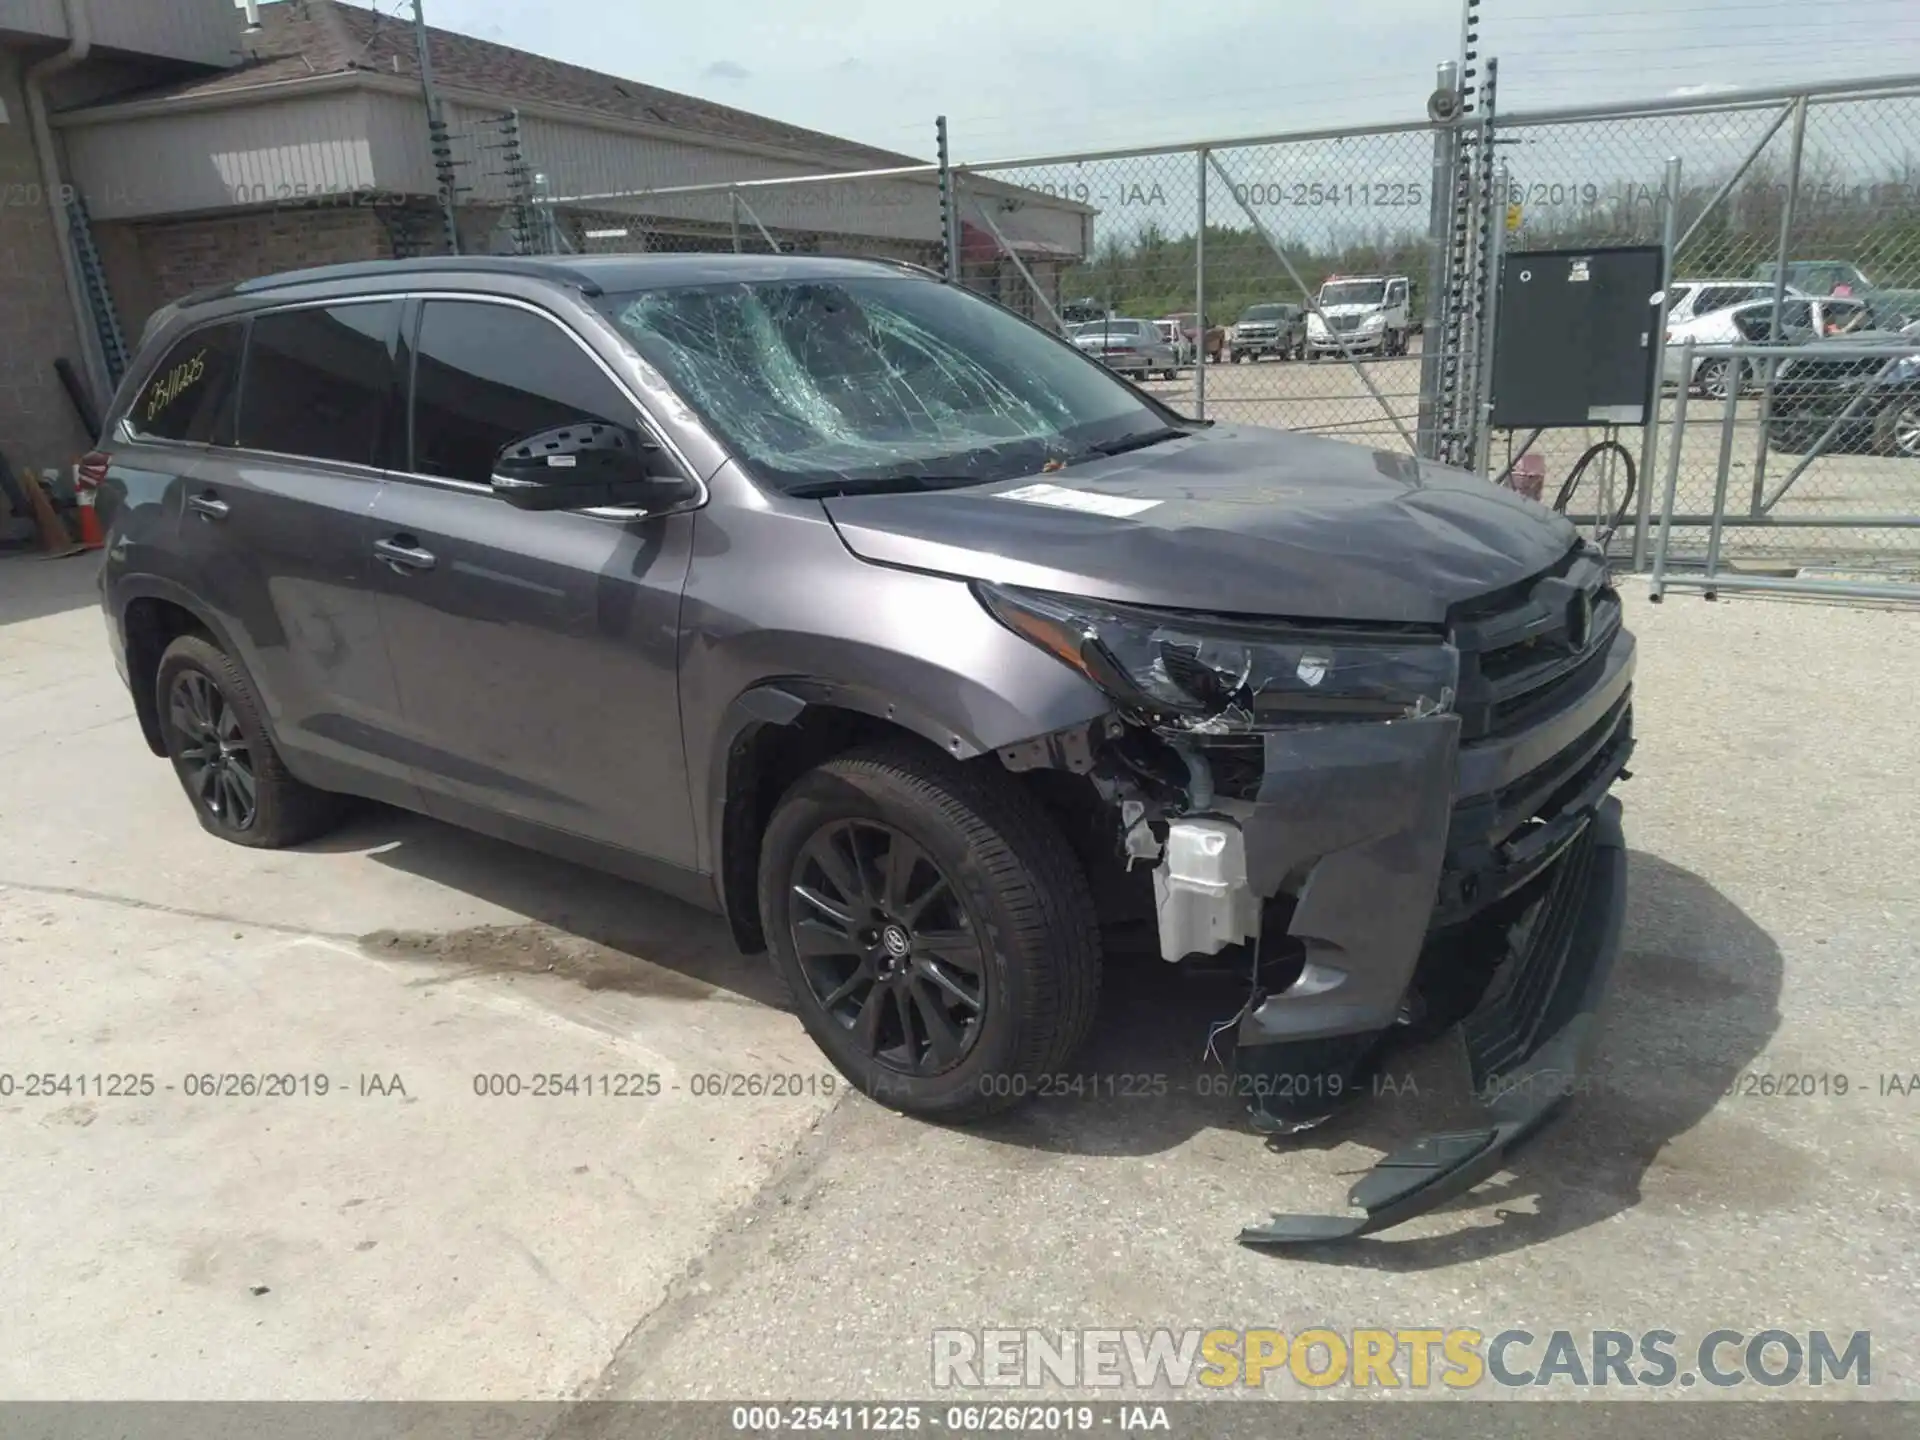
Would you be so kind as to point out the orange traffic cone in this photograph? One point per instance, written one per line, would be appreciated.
(90, 536)
(86, 485)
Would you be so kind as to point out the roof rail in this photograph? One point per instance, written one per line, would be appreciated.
(532, 266)
(891, 260)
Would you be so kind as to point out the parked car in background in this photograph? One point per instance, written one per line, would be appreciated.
(1690, 299)
(1801, 318)
(1133, 347)
(1263, 330)
(1891, 308)
(1081, 311)
(1876, 400)
(1176, 337)
(1361, 314)
(1216, 335)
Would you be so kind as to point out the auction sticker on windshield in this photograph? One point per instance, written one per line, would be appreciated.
(1062, 498)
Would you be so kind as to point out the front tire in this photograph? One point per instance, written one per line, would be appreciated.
(1897, 430)
(210, 720)
(936, 934)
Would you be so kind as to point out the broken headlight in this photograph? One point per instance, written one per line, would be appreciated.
(1210, 673)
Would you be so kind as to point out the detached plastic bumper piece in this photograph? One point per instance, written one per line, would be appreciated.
(1528, 1039)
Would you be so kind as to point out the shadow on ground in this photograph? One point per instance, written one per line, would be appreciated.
(32, 586)
(1695, 998)
(601, 932)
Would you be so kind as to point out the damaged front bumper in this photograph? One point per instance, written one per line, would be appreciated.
(1416, 863)
(1526, 1043)
(1396, 833)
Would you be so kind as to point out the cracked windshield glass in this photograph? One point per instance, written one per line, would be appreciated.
(860, 383)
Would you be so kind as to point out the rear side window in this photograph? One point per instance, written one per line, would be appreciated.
(190, 396)
(1719, 297)
(319, 382)
(487, 375)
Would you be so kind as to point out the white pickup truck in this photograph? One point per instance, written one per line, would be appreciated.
(1361, 314)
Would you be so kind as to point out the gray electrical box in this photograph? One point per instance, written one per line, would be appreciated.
(1574, 339)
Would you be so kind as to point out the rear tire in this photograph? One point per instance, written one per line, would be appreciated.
(210, 720)
(1713, 378)
(936, 934)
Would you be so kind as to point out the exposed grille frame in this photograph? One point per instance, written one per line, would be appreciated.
(1519, 651)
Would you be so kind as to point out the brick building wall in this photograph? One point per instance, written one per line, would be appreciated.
(38, 428)
(150, 263)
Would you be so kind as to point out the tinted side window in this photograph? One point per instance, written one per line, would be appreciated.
(190, 396)
(319, 382)
(487, 375)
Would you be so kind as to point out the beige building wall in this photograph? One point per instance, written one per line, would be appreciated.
(38, 427)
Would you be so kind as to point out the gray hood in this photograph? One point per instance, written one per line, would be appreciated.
(1234, 520)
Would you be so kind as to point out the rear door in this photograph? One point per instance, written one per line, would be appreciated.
(536, 653)
(277, 527)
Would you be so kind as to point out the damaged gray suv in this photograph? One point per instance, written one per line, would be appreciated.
(929, 652)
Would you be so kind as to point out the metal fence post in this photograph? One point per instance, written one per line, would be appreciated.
(1787, 209)
(1489, 300)
(1717, 520)
(1473, 290)
(1200, 293)
(949, 212)
(1433, 325)
(437, 129)
(1659, 588)
(733, 218)
(1650, 435)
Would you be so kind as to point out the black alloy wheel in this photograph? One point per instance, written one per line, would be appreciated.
(215, 758)
(887, 948)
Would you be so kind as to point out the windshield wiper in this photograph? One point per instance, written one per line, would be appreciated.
(883, 485)
(1137, 442)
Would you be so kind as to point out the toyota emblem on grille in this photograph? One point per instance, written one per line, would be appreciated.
(1579, 621)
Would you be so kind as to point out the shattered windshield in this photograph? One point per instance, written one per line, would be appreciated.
(876, 379)
(1354, 292)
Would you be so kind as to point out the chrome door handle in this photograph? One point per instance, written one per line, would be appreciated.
(400, 556)
(209, 505)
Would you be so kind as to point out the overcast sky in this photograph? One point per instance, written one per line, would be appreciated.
(1019, 77)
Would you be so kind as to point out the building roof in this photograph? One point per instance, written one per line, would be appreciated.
(304, 39)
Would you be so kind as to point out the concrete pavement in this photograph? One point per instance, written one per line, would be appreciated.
(420, 1240)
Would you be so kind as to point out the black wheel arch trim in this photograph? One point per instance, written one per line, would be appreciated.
(784, 701)
(126, 592)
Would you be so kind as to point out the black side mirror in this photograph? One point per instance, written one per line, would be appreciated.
(584, 465)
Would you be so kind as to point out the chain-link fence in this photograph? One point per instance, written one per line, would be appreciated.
(1341, 282)
(1798, 217)
(1219, 256)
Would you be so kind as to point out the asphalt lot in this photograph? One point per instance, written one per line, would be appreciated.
(425, 1241)
(1330, 398)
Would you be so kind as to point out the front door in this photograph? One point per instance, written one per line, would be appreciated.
(535, 653)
